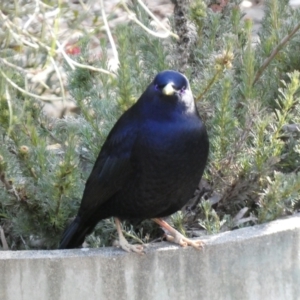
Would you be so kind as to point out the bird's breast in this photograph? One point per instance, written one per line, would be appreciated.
(168, 159)
(171, 152)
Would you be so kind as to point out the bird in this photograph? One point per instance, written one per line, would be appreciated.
(149, 166)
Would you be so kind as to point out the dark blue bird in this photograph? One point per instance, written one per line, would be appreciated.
(149, 165)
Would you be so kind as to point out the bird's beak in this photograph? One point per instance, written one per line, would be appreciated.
(169, 89)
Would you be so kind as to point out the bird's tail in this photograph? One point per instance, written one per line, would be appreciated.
(74, 234)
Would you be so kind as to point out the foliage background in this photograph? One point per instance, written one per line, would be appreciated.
(247, 93)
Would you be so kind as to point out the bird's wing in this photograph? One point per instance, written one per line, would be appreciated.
(112, 167)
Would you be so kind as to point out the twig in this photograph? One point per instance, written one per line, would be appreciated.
(133, 17)
(17, 37)
(147, 10)
(83, 5)
(23, 241)
(73, 63)
(35, 13)
(7, 185)
(59, 78)
(108, 32)
(134, 237)
(45, 5)
(8, 99)
(5, 62)
(38, 43)
(28, 93)
(3, 239)
(274, 53)
(211, 82)
(51, 134)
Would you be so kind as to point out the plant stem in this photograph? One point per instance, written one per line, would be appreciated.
(211, 82)
(274, 52)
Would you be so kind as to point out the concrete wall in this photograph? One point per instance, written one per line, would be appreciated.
(260, 262)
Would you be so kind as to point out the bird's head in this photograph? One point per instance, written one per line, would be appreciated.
(169, 94)
(171, 90)
(171, 83)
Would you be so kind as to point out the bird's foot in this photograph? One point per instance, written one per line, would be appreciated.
(123, 243)
(183, 241)
(176, 237)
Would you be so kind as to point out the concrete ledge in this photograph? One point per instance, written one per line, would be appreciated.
(260, 262)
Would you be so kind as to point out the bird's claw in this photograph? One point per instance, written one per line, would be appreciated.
(128, 247)
(181, 240)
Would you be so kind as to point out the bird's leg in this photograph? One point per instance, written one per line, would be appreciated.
(176, 237)
(123, 243)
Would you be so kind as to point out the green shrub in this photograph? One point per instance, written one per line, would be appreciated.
(249, 103)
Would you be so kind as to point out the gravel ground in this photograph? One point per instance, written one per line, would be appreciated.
(44, 80)
(163, 9)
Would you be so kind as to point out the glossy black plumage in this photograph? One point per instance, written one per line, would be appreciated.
(151, 162)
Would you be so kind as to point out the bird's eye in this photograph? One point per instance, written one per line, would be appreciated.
(182, 89)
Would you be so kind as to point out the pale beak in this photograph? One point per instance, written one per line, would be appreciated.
(169, 89)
